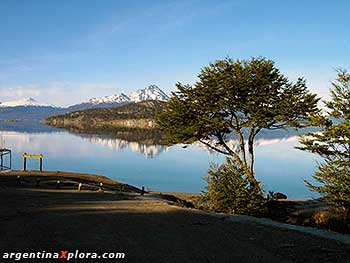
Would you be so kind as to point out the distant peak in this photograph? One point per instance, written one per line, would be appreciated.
(29, 99)
(152, 87)
(24, 102)
(152, 92)
(115, 98)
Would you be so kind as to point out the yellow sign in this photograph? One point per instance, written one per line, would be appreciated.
(27, 155)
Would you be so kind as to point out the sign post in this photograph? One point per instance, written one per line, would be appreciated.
(37, 156)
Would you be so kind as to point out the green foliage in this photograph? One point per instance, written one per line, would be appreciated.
(236, 97)
(229, 191)
(333, 144)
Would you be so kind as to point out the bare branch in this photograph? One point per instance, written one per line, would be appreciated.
(214, 148)
(231, 152)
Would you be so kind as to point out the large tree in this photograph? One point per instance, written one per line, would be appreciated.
(333, 144)
(239, 97)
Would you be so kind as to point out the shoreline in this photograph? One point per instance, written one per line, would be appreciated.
(151, 226)
(288, 211)
(67, 180)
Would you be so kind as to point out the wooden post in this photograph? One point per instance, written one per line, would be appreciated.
(143, 190)
(1, 161)
(41, 164)
(37, 182)
(24, 163)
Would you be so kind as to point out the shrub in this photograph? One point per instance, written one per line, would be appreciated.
(229, 191)
(331, 220)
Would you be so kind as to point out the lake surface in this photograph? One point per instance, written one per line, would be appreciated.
(144, 162)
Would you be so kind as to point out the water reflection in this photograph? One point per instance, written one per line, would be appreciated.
(148, 149)
(148, 142)
(142, 158)
(57, 143)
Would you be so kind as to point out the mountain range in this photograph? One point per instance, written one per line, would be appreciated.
(28, 102)
(29, 109)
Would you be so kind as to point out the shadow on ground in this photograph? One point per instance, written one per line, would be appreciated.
(146, 230)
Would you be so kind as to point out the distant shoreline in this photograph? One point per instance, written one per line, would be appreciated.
(8, 120)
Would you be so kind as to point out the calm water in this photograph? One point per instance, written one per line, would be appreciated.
(143, 162)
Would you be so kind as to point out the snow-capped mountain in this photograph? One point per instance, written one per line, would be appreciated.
(151, 92)
(102, 102)
(27, 109)
(116, 98)
(24, 102)
(31, 109)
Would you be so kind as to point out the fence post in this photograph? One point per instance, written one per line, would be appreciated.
(41, 164)
(24, 162)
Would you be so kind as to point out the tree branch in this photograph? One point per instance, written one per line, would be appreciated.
(214, 148)
(230, 151)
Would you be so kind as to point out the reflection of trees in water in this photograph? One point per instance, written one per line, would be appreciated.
(149, 142)
(144, 136)
(148, 150)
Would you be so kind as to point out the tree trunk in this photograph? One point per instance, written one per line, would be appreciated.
(252, 179)
(251, 163)
(242, 149)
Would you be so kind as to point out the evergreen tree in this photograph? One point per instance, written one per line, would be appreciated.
(333, 144)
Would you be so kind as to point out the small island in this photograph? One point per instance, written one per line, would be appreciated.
(136, 115)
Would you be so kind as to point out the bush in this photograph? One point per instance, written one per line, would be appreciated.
(229, 191)
(331, 220)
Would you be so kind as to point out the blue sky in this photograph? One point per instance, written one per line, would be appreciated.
(66, 51)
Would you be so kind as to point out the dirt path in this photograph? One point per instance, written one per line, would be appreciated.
(146, 230)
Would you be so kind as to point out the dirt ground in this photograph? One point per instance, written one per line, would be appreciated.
(145, 228)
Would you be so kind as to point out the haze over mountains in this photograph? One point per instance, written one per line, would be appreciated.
(30, 109)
